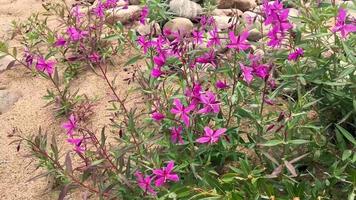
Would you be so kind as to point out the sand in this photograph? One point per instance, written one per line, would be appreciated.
(29, 112)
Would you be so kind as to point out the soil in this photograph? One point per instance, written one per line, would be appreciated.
(30, 112)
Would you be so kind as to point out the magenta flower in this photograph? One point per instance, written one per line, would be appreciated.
(77, 144)
(94, 57)
(47, 66)
(159, 60)
(182, 112)
(261, 71)
(247, 74)
(28, 58)
(341, 26)
(156, 72)
(157, 116)
(144, 183)
(76, 34)
(99, 10)
(70, 125)
(296, 54)
(145, 45)
(197, 36)
(210, 103)
(144, 14)
(240, 42)
(208, 57)
(60, 42)
(164, 174)
(211, 136)
(221, 85)
(110, 4)
(176, 135)
(194, 93)
(214, 38)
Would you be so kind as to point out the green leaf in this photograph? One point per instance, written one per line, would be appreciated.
(299, 141)
(133, 60)
(346, 154)
(272, 143)
(346, 134)
(97, 162)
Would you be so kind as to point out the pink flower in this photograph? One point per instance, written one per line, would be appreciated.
(261, 71)
(247, 74)
(210, 103)
(76, 34)
(182, 112)
(296, 54)
(240, 42)
(156, 72)
(144, 14)
(99, 10)
(221, 84)
(143, 43)
(60, 42)
(77, 144)
(176, 135)
(46, 66)
(194, 93)
(164, 174)
(159, 60)
(197, 36)
(144, 183)
(214, 38)
(94, 57)
(157, 116)
(70, 125)
(341, 26)
(211, 136)
(28, 58)
(110, 4)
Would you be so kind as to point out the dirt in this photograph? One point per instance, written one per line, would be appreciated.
(30, 112)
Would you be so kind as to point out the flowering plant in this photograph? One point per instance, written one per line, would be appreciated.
(225, 117)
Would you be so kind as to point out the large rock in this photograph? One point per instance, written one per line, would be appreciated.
(148, 28)
(132, 13)
(185, 8)
(224, 22)
(7, 100)
(239, 4)
(227, 12)
(183, 25)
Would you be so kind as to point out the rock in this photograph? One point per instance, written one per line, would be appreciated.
(250, 17)
(146, 29)
(185, 8)
(132, 13)
(254, 35)
(183, 25)
(227, 12)
(134, 2)
(224, 22)
(5, 62)
(7, 100)
(239, 4)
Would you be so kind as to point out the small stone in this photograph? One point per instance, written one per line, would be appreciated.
(183, 25)
(251, 17)
(254, 35)
(243, 5)
(147, 28)
(7, 100)
(132, 13)
(5, 61)
(185, 8)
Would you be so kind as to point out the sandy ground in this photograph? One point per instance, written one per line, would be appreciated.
(29, 113)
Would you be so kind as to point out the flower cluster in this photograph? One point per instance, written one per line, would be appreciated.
(341, 26)
(277, 17)
(160, 176)
(70, 126)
